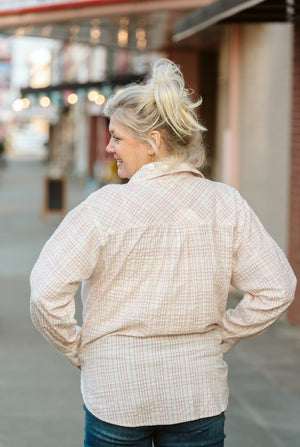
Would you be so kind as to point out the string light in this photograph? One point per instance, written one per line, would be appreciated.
(93, 95)
(74, 31)
(141, 41)
(68, 97)
(73, 98)
(123, 37)
(95, 34)
(124, 21)
(123, 32)
(100, 100)
(140, 33)
(26, 103)
(17, 105)
(45, 101)
(141, 44)
(95, 22)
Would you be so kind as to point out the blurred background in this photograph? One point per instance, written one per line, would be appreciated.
(59, 62)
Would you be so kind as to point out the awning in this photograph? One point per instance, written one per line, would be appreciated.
(236, 11)
(143, 25)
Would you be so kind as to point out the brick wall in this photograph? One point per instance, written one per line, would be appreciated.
(294, 226)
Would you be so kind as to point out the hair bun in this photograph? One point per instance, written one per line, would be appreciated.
(166, 71)
(172, 98)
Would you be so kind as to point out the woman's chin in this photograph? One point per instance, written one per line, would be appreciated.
(121, 171)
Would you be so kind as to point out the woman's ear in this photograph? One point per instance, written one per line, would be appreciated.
(156, 137)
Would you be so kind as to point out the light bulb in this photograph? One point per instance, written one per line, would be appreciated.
(26, 103)
(73, 98)
(93, 95)
(45, 101)
(100, 100)
(17, 105)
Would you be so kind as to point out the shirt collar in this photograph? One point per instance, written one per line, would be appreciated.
(159, 169)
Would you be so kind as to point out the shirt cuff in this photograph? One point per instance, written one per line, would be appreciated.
(226, 345)
(73, 358)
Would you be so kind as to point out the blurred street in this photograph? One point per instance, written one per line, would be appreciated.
(41, 404)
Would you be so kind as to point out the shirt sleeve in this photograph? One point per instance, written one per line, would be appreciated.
(261, 270)
(68, 258)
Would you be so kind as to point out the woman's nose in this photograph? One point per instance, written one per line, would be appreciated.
(109, 148)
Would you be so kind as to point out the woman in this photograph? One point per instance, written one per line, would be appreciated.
(156, 258)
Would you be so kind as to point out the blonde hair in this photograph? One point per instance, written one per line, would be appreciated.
(163, 104)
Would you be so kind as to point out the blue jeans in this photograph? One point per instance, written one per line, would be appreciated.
(202, 432)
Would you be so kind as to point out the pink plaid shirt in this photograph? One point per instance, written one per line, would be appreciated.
(156, 258)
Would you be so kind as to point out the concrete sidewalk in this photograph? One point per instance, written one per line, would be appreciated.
(41, 405)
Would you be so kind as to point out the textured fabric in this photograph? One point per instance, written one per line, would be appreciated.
(156, 258)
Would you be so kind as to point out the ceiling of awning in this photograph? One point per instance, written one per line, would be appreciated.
(102, 31)
(235, 11)
(148, 24)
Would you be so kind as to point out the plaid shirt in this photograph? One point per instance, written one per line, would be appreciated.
(156, 258)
